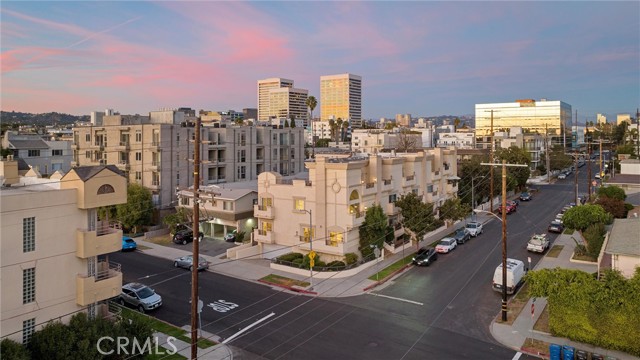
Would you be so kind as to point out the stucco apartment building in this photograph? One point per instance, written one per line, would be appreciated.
(337, 194)
(40, 152)
(157, 151)
(51, 272)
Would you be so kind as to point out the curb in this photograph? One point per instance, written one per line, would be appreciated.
(532, 352)
(291, 288)
(387, 278)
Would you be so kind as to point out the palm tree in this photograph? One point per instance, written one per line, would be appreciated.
(345, 128)
(339, 130)
(312, 102)
(456, 123)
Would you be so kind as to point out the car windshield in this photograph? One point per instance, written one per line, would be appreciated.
(555, 223)
(445, 242)
(472, 226)
(129, 240)
(535, 241)
(145, 292)
(459, 232)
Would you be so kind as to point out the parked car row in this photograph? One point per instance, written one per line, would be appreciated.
(427, 255)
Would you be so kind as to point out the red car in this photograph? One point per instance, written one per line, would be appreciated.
(511, 207)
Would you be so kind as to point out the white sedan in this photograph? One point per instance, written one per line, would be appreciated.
(445, 245)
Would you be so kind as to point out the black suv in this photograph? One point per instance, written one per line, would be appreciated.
(462, 235)
(425, 256)
(185, 236)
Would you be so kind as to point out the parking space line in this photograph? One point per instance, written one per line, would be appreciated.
(396, 298)
(516, 356)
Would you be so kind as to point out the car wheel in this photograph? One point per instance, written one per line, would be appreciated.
(191, 268)
(141, 308)
(184, 242)
(175, 264)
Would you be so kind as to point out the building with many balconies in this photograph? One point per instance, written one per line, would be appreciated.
(49, 271)
(331, 203)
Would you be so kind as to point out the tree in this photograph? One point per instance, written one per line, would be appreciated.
(613, 206)
(345, 130)
(417, 216)
(332, 129)
(374, 230)
(179, 217)
(453, 210)
(323, 142)
(456, 123)
(138, 209)
(312, 102)
(292, 124)
(627, 149)
(407, 141)
(613, 192)
(472, 168)
(390, 125)
(338, 130)
(580, 217)
(13, 350)
(286, 123)
(558, 160)
(54, 335)
(516, 176)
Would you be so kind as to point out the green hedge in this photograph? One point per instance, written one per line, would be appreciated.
(604, 313)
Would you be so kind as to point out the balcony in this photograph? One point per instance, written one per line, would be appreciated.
(155, 185)
(398, 230)
(155, 166)
(106, 284)
(369, 188)
(391, 209)
(387, 184)
(154, 144)
(409, 180)
(123, 146)
(123, 165)
(104, 240)
(263, 236)
(264, 212)
(357, 219)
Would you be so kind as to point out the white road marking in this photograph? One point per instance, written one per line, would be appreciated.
(517, 356)
(247, 328)
(396, 298)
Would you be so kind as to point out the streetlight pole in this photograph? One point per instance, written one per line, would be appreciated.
(504, 231)
(473, 201)
(196, 243)
(312, 254)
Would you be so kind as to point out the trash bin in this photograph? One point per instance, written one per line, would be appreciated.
(554, 352)
(582, 355)
(568, 352)
(595, 356)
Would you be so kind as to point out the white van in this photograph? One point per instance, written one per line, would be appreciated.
(515, 276)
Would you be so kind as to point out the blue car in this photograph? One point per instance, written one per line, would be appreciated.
(128, 244)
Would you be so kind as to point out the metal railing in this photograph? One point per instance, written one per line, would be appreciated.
(386, 182)
(107, 269)
(370, 185)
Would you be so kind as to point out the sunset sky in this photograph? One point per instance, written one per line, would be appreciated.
(423, 58)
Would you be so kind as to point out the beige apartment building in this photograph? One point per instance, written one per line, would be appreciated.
(331, 203)
(49, 271)
(288, 103)
(157, 152)
(374, 140)
(264, 89)
(341, 97)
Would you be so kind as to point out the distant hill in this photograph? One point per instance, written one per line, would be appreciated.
(52, 118)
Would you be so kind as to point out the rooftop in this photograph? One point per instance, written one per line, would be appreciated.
(623, 239)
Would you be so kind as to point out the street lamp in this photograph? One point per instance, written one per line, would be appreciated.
(312, 254)
(473, 201)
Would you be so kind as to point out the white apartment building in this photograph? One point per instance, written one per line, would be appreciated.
(51, 240)
(372, 141)
(288, 102)
(457, 140)
(534, 144)
(601, 119)
(545, 117)
(38, 152)
(264, 88)
(331, 203)
(341, 97)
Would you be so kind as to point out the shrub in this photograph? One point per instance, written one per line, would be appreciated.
(351, 258)
(594, 235)
(13, 350)
(290, 257)
(336, 264)
(297, 262)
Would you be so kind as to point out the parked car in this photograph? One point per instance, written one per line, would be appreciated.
(231, 237)
(462, 235)
(187, 262)
(562, 176)
(140, 297)
(525, 196)
(556, 227)
(515, 276)
(538, 243)
(445, 245)
(128, 244)
(425, 256)
(185, 236)
(475, 228)
(511, 207)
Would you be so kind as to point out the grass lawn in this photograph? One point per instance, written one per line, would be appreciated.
(536, 346)
(584, 258)
(164, 357)
(568, 231)
(161, 240)
(284, 281)
(555, 251)
(543, 321)
(515, 305)
(391, 268)
(142, 247)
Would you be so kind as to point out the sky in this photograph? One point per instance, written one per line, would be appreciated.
(425, 58)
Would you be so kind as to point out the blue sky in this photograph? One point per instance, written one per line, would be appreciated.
(424, 58)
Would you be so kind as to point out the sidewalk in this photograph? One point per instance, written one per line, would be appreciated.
(514, 336)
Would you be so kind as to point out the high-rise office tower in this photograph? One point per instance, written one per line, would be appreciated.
(341, 97)
(288, 102)
(264, 86)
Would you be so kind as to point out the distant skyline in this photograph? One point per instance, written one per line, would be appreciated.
(423, 58)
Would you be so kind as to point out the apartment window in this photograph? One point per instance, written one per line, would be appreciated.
(28, 285)
(429, 188)
(306, 234)
(227, 205)
(177, 177)
(243, 139)
(242, 155)
(335, 238)
(177, 137)
(32, 153)
(184, 201)
(28, 328)
(392, 198)
(87, 154)
(298, 204)
(56, 152)
(138, 136)
(138, 175)
(87, 138)
(178, 159)
(28, 234)
(138, 156)
(242, 172)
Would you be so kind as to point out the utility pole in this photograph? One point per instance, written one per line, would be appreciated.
(491, 169)
(196, 243)
(589, 172)
(638, 132)
(504, 231)
(546, 144)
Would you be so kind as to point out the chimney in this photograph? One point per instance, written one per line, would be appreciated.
(9, 171)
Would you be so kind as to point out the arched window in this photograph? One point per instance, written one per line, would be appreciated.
(354, 204)
(354, 195)
(105, 189)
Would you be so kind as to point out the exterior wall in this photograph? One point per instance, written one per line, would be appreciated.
(264, 86)
(287, 102)
(338, 192)
(630, 167)
(45, 163)
(625, 264)
(530, 115)
(373, 141)
(458, 140)
(341, 97)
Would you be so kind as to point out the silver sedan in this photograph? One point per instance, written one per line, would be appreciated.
(187, 263)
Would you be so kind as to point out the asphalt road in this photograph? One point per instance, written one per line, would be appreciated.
(442, 311)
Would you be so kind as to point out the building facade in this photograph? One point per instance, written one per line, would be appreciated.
(534, 144)
(458, 140)
(341, 97)
(331, 203)
(43, 155)
(403, 120)
(49, 271)
(544, 117)
(288, 103)
(264, 88)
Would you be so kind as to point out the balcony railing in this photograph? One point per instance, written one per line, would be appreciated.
(263, 236)
(386, 182)
(261, 211)
(106, 284)
(101, 241)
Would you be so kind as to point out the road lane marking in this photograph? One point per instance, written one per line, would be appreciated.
(397, 298)
(517, 356)
(247, 328)
(222, 306)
